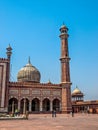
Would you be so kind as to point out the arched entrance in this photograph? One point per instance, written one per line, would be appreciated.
(35, 104)
(13, 101)
(46, 104)
(22, 104)
(56, 105)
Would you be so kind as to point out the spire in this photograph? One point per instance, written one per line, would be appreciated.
(63, 23)
(29, 60)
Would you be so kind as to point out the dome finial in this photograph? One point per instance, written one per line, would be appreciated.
(29, 60)
(49, 82)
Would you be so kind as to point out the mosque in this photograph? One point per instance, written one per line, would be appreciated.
(28, 94)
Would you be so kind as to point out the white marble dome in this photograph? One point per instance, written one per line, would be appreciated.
(28, 73)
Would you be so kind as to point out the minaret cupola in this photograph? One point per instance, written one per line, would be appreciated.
(9, 52)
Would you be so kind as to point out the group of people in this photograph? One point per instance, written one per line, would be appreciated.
(53, 113)
(17, 113)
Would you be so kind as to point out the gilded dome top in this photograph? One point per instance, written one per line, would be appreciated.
(28, 73)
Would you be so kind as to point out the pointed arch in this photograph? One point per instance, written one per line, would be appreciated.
(12, 101)
(22, 104)
(56, 104)
(46, 104)
(35, 104)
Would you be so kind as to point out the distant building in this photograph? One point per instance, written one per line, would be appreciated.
(81, 106)
(31, 95)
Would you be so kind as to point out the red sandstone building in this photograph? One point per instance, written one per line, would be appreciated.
(80, 106)
(40, 97)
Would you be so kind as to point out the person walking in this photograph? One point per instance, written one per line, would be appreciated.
(54, 113)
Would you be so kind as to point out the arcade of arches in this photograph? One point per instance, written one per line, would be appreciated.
(35, 105)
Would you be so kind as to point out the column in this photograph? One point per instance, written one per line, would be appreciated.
(19, 105)
(41, 107)
(60, 107)
(13, 108)
(30, 106)
(24, 107)
(51, 106)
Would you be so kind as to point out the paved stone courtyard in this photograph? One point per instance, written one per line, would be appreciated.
(47, 122)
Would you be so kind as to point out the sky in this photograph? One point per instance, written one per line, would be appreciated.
(31, 27)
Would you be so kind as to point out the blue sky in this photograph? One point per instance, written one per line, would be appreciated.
(32, 29)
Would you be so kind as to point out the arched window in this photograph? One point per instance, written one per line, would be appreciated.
(13, 101)
(46, 104)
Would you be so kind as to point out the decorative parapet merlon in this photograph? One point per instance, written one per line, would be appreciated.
(4, 60)
(27, 84)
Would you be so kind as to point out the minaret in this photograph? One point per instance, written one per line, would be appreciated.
(65, 71)
(9, 53)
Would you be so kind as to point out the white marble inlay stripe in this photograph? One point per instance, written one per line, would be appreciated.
(3, 84)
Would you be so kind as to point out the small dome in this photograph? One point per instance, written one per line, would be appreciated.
(9, 48)
(76, 91)
(63, 27)
(28, 73)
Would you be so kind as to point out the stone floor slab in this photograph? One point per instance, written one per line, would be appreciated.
(47, 122)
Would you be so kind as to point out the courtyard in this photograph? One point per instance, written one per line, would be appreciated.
(47, 122)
